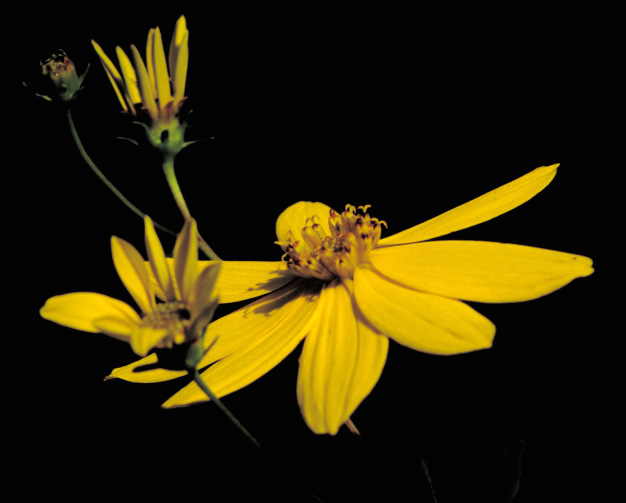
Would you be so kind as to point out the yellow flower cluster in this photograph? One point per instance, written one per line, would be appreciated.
(341, 286)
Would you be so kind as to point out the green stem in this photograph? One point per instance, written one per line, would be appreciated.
(103, 178)
(200, 382)
(170, 176)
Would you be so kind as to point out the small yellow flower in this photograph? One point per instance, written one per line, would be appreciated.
(346, 291)
(161, 94)
(185, 289)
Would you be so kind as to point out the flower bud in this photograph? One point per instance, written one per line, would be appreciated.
(62, 73)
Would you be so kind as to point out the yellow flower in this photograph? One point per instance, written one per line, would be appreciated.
(186, 293)
(346, 291)
(151, 85)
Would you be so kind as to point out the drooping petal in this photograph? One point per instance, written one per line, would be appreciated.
(133, 272)
(294, 218)
(480, 271)
(146, 338)
(421, 321)
(179, 58)
(82, 310)
(145, 85)
(341, 361)
(478, 210)
(162, 79)
(145, 370)
(186, 258)
(113, 74)
(158, 261)
(277, 323)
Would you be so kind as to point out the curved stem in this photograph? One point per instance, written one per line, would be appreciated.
(200, 382)
(103, 178)
(170, 176)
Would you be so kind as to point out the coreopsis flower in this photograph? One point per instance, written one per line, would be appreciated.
(159, 92)
(61, 72)
(184, 289)
(346, 291)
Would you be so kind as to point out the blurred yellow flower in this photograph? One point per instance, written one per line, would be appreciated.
(184, 289)
(346, 291)
(160, 93)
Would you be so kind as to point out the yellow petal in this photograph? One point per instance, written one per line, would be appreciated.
(145, 85)
(186, 258)
(480, 271)
(264, 333)
(158, 262)
(478, 210)
(421, 321)
(295, 217)
(113, 74)
(204, 293)
(145, 338)
(82, 310)
(162, 79)
(341, 362)
(133, 272)
(145, 370)
(179, 58)
(130, 77)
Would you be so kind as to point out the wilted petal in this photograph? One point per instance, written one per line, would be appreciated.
(478, 210)
(82, 310)
(133, 272)
(480, 271)
(264, 333)
(421, 321)
(341, 361)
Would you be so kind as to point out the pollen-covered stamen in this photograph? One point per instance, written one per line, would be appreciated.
(352, 236)
(172, 317)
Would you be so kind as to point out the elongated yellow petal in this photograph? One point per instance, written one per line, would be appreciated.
(145, 85)
(277, 326)
(245, 280)
(204, 293)
(150, 62)
(421, 321)
(341, 361)
(130, 77)
(145, 370)
(113, 74)
(186, 259)
(158, 261)
(133, 272)
(480, 271)
(178, 58)
(295, 216)
(162, 78)
(82, 310)
(478, 210)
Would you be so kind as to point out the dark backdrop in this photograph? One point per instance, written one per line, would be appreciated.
(413, 111)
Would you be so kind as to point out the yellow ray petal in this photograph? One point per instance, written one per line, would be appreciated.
(278, 327)
(82, 310)
(341, 361)
(480, 271)
(157, 261)
(178, 58)
(145, 370)
(130, 77)
(204, 293)
(145, 85)
(113, 74)
(295, 216)
(421, 321)
(478, 210)
(146, 338)
(162, 79)
(133, 272)
(186, 259)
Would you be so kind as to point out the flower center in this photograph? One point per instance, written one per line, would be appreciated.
(353, 234)
(173, 317)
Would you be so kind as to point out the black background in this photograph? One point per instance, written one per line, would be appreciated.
(412, 110)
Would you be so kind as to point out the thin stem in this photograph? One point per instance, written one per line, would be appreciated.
(428, 479)
(170, 176)
(103, 178)
(200, 382)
